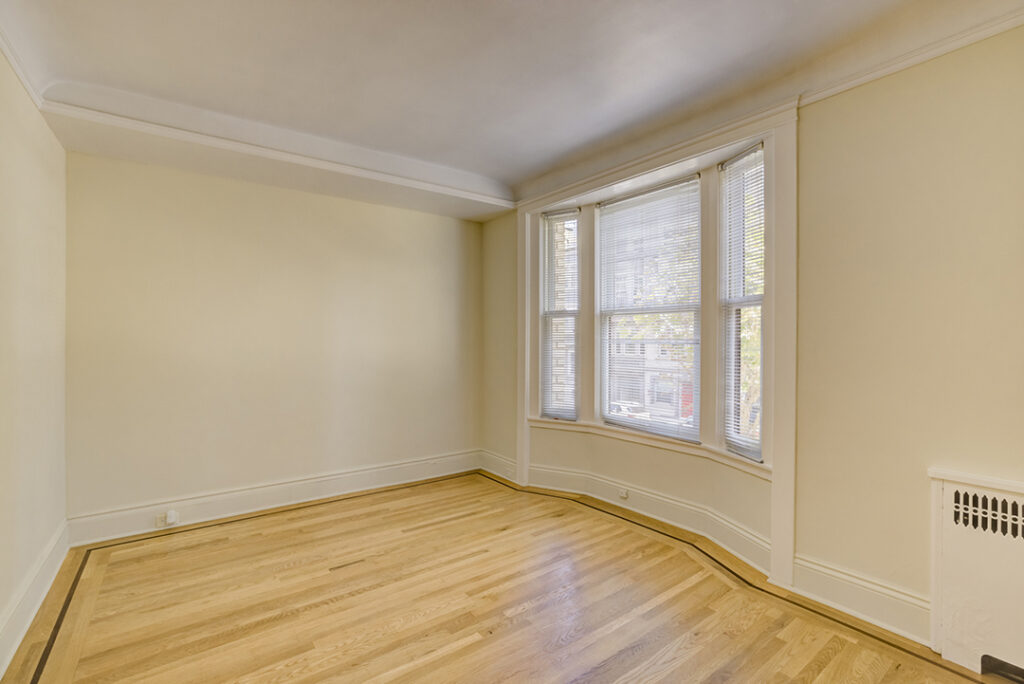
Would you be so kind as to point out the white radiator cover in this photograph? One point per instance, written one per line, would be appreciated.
(977, 568)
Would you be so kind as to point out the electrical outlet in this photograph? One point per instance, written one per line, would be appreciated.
(167, 518)
(623, 493)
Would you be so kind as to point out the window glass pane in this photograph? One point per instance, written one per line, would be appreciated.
(743, 218)
(743, 375)
(558, 361)
(561, 266)
(650, 250)
(651, 378)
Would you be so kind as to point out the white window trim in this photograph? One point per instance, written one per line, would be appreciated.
(625, 434)
(777, 129)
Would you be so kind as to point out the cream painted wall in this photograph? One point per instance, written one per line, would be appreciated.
(223, 334)
(499, 321)
(32, 249)
(910, 271)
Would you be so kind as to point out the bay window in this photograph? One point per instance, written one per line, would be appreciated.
(656, 301)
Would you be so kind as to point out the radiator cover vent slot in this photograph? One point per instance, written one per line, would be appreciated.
(989, 513)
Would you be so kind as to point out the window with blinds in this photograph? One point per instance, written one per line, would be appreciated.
(650, 310)
(742, 299)
(559, 314)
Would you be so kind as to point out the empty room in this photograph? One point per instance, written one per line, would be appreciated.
(486, 341)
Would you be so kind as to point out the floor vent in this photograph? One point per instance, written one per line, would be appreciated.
(978, 548)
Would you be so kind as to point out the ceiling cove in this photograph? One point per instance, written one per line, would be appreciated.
(455, 107)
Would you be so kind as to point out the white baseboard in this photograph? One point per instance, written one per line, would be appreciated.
(17, 615)
(121, 522)
(897, 610)
(736, 538)
(497, 464)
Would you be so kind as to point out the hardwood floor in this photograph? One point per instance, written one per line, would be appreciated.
(459, 580)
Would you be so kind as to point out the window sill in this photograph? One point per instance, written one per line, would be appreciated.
(759, 470)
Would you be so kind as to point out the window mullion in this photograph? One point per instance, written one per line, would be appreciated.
(748, 300)
(535, 305)
(587, 385)
(710, 359)
(624, 311)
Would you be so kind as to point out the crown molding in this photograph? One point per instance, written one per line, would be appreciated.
(233, 145)
(18, 67)
(125, 107)
(919, 56)
(377, 177)
(88, 131)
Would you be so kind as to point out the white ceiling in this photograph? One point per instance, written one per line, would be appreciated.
(469, 96)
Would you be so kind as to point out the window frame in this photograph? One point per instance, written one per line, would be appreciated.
(604, 316)
(734, 305)
(547, 316)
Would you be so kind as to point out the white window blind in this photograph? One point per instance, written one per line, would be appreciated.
(650, 310)
(742, 299)
(559, 314)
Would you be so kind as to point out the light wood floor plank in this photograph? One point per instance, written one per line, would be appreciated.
(458, 580)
